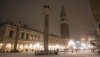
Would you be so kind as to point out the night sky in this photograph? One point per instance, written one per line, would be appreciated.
(30, 12)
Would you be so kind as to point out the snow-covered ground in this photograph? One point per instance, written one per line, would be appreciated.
(61, 54)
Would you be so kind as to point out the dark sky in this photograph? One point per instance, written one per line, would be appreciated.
(79, 13)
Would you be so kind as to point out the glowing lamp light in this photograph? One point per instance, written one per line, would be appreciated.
(78, 42)
(82, 39)
(51, 47)
(90, 46)
(71, 43)
(37, 46)
(21, 46)
(26, 46)
(74, 47)
(83, 46)
(8, 45)
(30, 46)
(57, 46)
(1, 45)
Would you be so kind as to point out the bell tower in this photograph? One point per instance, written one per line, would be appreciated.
(64, 29)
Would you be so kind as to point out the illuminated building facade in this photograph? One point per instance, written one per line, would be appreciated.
(96, 14)
(28, 39)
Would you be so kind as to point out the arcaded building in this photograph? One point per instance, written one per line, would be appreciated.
(28, 39)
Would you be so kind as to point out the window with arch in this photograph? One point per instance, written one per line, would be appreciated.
(22, 35)
(31, 37)
(11, 33)
(27, 36)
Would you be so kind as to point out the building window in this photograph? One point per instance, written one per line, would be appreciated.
(30, 37)
(11, 33)
(27, 36)
(38, 37)
(41, 39)
(22, 35)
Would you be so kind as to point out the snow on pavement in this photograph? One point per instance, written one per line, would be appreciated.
(61, 54)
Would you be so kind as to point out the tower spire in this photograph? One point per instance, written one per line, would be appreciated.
(63, 12)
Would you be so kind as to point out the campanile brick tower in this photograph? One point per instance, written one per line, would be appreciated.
(64, 29)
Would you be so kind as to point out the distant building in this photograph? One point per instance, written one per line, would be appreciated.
(28, 39)
(92, 38)
(95, 5)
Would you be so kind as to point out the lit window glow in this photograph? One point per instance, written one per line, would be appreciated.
(30, 46)
(71, 43)
(83, 46)
(1, 45)
(26, 46)
(8, 45)
(37, 46)
(21, 46)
